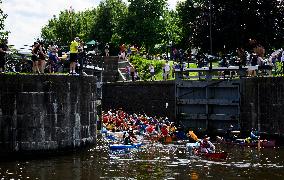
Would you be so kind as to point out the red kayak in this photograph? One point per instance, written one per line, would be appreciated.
(215, 156)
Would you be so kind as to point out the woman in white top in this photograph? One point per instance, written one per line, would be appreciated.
(152, 72)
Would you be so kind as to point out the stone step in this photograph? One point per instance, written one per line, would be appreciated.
(123, 64)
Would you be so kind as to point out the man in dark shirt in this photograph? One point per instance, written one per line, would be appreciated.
(3, 51)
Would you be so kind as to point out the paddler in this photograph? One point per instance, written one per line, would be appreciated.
(253, 135)
(127, 139)
(206, 146)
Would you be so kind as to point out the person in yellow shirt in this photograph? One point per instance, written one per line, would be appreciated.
(74, 55)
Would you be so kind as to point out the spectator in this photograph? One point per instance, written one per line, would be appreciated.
(167, 70)
(122, 52)
(173, 69)
(35, 50)
(74, 55)
(52, 57)
(41, 57)
(127, 72)
(136, 75)
(152, 72)
(107, 49)
(81, 55)
(132, 73)
(3, 50)
(129, 52)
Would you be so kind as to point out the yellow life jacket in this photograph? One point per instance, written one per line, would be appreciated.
(192, 135)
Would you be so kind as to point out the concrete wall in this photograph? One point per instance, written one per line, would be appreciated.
(108, 63)
(261, 101)
(39, 113)
(262, 104)
(148, 97)
(110, 73)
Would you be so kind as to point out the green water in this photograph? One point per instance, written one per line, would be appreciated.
(151, 161)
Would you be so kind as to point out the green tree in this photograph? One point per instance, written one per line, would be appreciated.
(3, 16)
(110, 15)
(67, 25)
(233, 23)
(171, 29)
(144, 25)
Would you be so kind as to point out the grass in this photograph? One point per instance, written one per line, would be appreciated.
(142, 65)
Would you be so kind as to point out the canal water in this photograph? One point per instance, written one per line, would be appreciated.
(151, 161)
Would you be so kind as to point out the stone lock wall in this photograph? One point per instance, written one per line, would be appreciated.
(41, 113)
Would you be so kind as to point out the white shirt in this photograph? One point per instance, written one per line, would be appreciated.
(167, 67)
(282, 57)
(151, 68)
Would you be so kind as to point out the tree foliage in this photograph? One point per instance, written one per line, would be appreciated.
(3, 16)
(171, 30)
(233, 23)
(110, 16)
(147, 23)
(144, 24)
(67, 25)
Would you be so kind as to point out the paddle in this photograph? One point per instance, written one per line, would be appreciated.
(258, 143)
(192, 135)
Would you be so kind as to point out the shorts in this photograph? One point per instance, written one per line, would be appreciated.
(73, 57)
(34, 58)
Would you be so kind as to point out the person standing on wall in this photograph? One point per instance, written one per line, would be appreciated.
(152, 72)
(107, 49)
(132, 73)
(35, 51)
(167, 70)
(41, 57)
(81, 55)
(74, 55)
(3, 50)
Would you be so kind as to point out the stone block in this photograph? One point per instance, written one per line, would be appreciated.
(41, 111)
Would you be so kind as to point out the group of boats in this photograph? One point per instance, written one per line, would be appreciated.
(192, 148)
(132, 131)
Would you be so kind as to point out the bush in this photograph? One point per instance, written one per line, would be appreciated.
(142, 66)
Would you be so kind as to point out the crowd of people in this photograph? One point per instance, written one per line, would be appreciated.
(124, 128)
(44, 56)
(154, 128)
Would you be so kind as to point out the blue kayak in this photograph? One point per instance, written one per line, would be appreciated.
(123, 146)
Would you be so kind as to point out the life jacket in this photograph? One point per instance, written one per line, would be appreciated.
(193, 136)
(204, 144)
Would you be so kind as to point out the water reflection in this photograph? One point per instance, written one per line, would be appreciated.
(151, 161)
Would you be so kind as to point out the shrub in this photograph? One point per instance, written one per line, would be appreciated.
(142, 66)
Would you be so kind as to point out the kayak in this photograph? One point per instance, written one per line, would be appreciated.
(123, 146)
(263, 143)
(215, 156)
